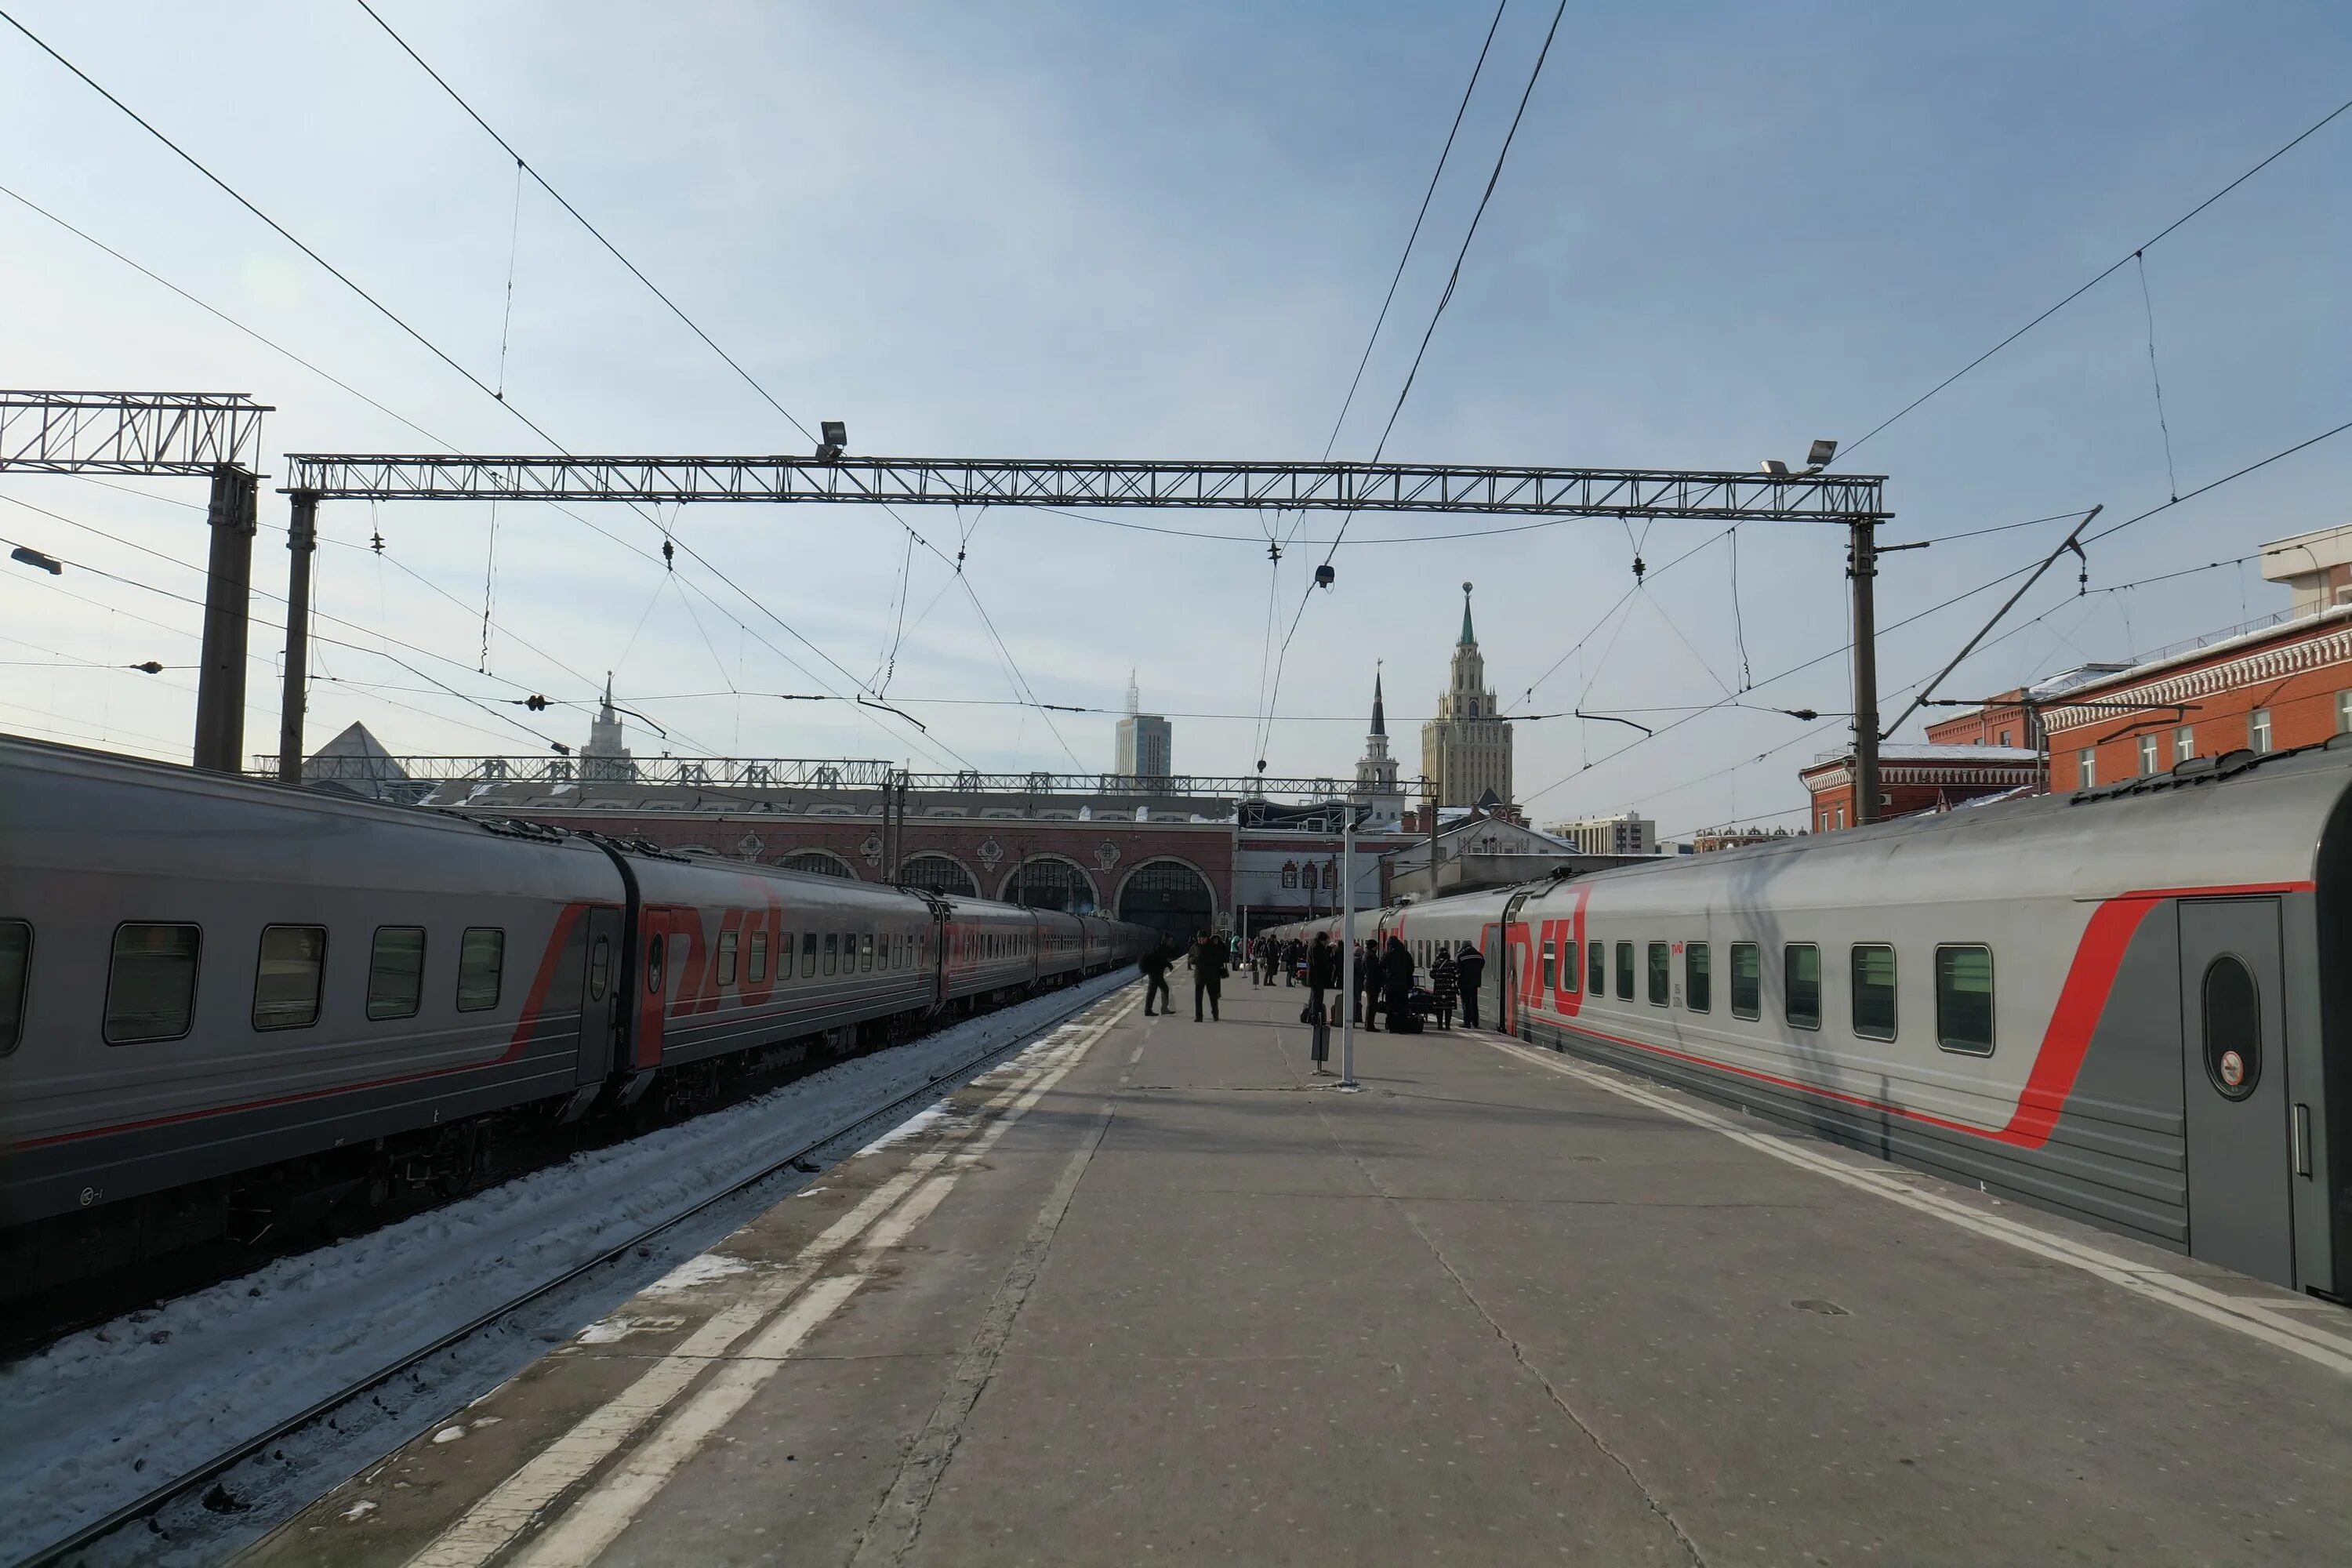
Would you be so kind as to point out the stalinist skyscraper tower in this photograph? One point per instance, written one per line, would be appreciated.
(1468, 747)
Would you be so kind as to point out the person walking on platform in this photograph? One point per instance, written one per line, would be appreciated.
(1471, 966)
(1208, 973)
(1445, 981)
(1294, 954)
(1269, 957)
(1154, 965)
(1396, 980)
(1322, 976)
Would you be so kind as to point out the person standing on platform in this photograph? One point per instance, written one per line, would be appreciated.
(1367, 981)
(1396, 980)
(1154, 965)
(1471, 966)
(1208, 973)
(1270, 957)
(1322, 976)
(1445, 981)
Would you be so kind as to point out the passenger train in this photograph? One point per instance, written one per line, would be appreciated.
(219, 996)
(2131, 1004)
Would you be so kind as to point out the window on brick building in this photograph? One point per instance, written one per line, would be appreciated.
(2147, 750)
(2184, 744)
(2258, 729)
(2085, 768)
(2004, 737)
(2343, 712)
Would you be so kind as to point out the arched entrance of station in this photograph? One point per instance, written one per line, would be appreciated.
(1171, 897)
(940, 873)
(1050, 882)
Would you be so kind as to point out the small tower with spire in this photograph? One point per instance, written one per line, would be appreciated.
(606, 757)
(1376, 771)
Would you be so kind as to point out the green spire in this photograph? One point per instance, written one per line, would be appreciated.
(1469, 638)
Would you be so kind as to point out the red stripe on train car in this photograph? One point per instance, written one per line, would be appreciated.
(2065, 1041)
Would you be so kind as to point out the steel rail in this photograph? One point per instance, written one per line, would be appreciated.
(161, 1496)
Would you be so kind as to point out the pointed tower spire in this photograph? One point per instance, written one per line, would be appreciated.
(1380, 709)
(607, 713)
(1469, 638)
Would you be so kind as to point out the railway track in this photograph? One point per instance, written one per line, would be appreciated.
(198, 1479)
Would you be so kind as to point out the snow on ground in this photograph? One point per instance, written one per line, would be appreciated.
(94, 1421)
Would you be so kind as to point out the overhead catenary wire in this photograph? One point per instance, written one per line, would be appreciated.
(525, 166)
(1847, 452)
(407, 328)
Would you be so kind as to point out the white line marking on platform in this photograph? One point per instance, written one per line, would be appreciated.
(2259, 1321)
(494, 1522)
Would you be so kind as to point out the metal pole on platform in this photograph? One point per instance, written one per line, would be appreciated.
(1863, 567)
(1348, 954)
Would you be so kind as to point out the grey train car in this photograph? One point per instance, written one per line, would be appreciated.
(2130, 1004)
(214, 990)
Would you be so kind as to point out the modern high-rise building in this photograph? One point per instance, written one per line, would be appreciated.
(1144, 739)
(1466, 749)
(1376, 771)
(1627, 833)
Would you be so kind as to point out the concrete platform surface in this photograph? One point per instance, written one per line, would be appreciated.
(1152, 1292)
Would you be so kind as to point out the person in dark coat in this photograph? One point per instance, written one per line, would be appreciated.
(1396, 979)
(1154, 965)
(1368, 983)
(1294, 954)
(1322, 975)
(1471, 966)
(1445, 984)
(1208, 973)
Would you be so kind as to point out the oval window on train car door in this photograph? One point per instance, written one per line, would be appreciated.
(2233, 1026)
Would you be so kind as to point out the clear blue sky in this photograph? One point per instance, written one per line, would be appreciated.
(1078, 230)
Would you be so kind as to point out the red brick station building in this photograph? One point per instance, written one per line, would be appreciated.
(2280, 683)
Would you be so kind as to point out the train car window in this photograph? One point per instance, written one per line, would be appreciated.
(1964, 999)
(481, 962)
(151, 991)
(729, 949)
(1746, 981)
(288, 974)
(758, 956)
(808, 953)
(653, 950)
(16, 965)
(396, 973)
(1550, 960)
(865, 954)
(1596, 970)
(1874, 991)
(1801, 974)
(1625, 971)
(2233, 1028)
(600, 969)
(832, 952)
(1698, 977)
(1661, 975)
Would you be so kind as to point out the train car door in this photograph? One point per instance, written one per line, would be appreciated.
(2240, 1157)
(660, 957)
(1512, 943)
(600, 996)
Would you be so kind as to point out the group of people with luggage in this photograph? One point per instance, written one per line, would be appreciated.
(1384, 975)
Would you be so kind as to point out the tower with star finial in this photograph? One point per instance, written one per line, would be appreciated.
(1466, 749)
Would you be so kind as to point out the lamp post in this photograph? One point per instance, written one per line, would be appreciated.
(1347, 955)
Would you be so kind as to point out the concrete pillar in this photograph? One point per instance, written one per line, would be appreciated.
(228, 594)
(301, 548)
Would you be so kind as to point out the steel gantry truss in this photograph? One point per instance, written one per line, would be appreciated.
(1638, 493)
(213, 436)
(190, 434)
(1778, 494)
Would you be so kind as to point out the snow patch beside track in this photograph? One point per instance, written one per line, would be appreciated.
(98, 1419)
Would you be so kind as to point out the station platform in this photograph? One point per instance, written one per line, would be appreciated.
(1152, 1292)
